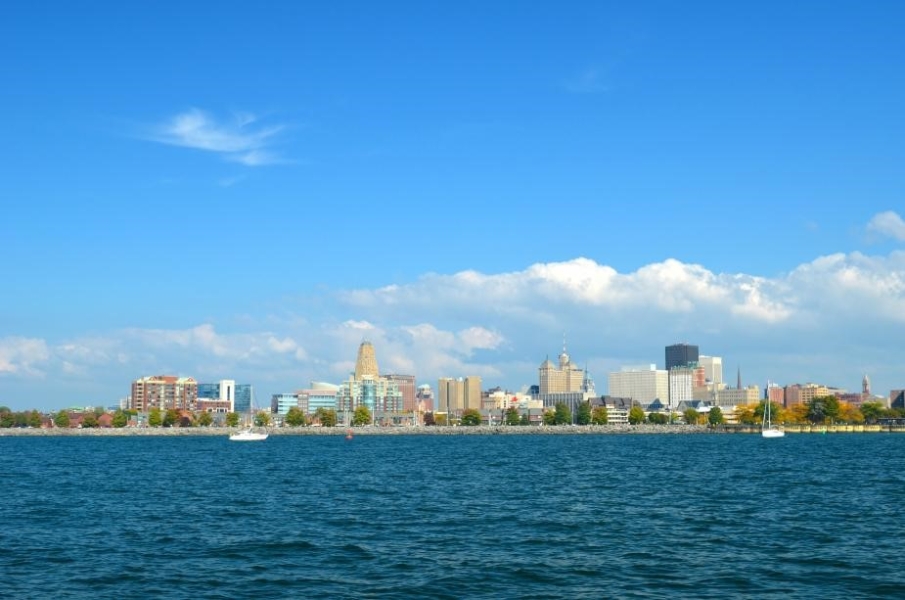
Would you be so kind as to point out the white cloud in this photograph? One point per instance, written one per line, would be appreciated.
(239, 140)
(21, 356)
(827, 320)
(887, 224)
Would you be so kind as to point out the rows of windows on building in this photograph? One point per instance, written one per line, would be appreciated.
(690, 380)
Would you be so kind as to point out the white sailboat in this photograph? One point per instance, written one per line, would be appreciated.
(768, 430)
(248, 434)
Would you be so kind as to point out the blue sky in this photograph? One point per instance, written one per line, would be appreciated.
(248, 191)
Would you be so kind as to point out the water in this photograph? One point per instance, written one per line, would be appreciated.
(621, 516)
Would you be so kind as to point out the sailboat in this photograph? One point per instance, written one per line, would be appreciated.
(249, 434)
(768, 430)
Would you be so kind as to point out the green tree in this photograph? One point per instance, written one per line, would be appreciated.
(600, 415)
(872, 411)
(326, 416)
(471, 417)
(61, 419)
(715, 416)
(636, 415)
(232, 419)
(262, 418)
(361, 416)
(549, 417)
(155, 418)
(171, 417)
(562, 415)
(296, 417)
(120, 419)
(823, 409)
(89, 420)
(512, 416)
(205, 419)
(524, 419)
(34, 419)
(583, 416)
(658, 418)
(7, 419)
(691, 416)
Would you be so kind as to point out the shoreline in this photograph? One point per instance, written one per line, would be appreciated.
(645, 429)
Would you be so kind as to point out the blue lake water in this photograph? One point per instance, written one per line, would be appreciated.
(584, 516)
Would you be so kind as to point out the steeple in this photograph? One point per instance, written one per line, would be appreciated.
(738, 384)
(564, 357)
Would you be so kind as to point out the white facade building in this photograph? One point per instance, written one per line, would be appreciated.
(681, 386)
(641, 384)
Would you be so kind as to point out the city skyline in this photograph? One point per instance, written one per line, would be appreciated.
(250, 194)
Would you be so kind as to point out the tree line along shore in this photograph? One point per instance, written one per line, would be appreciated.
(645, 428)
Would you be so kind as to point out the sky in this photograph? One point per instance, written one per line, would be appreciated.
(249, 191)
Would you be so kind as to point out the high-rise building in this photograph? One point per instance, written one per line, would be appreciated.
(681, 385)
(366, 364)
(365, 387)
(713, 368)
(406, 385)
(458, 394)
(564, 377)
(681, 355)
(641, 384)
(164, 392)
(224, 396)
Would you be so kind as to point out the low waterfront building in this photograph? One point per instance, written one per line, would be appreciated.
(281, 403)
(319, 395)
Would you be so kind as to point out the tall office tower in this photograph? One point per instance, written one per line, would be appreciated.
(472, 390)
(406, 385)
(641, 384)
(681, 355)
(366, 364)
(865, 386)
(681, 386)
(451, 393)
(713, 368)
(458, 394)
(565, 377)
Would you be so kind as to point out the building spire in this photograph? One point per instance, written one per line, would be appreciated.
(739, 376)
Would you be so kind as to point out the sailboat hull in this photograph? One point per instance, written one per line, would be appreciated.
(248, 436)
(773, 433)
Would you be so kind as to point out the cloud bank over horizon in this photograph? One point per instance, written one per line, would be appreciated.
(829, 320)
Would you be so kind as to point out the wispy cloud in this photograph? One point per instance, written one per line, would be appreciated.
(887, 225)
(241, 139)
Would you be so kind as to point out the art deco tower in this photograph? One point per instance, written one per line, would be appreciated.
(367, 362)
